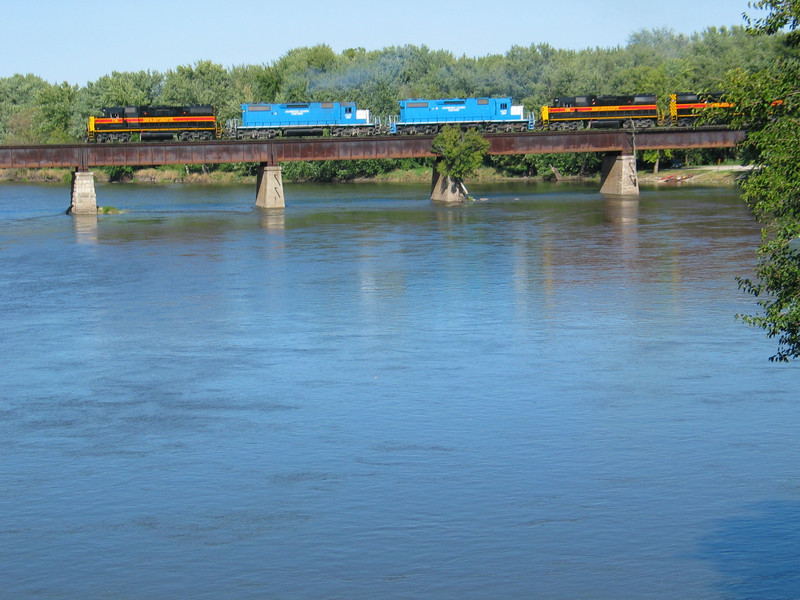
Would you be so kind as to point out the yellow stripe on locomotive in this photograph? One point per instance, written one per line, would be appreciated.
(121, 124)
(577, 112)
(637, 111)
(686, 108)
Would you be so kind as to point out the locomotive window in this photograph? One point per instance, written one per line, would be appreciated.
(327, 105)
(417, 105)
(302, 105)
(348, 110)
(503, 106)
(483, 101)
(254, 107)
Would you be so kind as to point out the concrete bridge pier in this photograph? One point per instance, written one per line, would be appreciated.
(618, 175)
(269, 187)
(84, 197)
(447, 189)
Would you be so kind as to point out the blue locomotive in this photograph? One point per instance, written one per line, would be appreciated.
(264, 121)
(421, 116)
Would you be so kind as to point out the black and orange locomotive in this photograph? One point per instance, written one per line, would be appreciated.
(636, 111)
(119, 124)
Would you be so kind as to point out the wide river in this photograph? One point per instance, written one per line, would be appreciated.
(545, 394)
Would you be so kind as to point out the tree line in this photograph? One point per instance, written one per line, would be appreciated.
(34, 111)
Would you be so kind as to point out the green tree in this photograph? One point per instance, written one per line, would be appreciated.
(19, 112)
(461, 152)
(124, 89)
(768, 104)
(57, 106)
(204, 82)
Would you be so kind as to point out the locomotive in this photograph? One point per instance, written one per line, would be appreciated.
(265, 121)
(640, 111)
(119, 124)
(417, 116)
(488, 114)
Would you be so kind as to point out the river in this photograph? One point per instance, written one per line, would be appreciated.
(544, 394)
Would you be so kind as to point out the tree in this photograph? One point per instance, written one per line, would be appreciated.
(768, 104)
(57, 105)
(461, 152)
(782, 13)
(203, 83)
(18, 110)
(124, 89)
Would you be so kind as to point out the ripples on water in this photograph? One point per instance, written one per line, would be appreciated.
(543, 395)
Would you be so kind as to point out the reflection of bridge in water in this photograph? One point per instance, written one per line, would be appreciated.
(619, 165)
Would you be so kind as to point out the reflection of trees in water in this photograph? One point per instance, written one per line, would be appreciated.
(758, 555)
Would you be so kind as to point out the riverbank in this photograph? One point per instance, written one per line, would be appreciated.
(708, 175)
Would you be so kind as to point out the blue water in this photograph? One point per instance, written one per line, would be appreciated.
(541, 395)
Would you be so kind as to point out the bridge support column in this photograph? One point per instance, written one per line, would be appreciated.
(618, 175)
(269, 187)
(447, 189)
(84, 197)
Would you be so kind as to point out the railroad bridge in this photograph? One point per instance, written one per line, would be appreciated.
(618, 173)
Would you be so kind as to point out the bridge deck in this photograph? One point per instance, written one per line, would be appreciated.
(84, 156)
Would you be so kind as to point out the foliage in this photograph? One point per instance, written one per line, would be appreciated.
(342, 170)
(781, 14)
(202, 83)
(541, 165)
(120, 173)
(56, 108)
(19, 112)
(461, 152)
(768, 104)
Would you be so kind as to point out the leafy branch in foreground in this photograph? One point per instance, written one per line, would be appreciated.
(768, 106)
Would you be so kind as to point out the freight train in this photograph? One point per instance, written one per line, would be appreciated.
(417, 116)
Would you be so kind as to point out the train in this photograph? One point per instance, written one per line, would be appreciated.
(633, 111)
(416, 116)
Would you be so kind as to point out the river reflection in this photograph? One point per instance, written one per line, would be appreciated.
(540, 395)
(85, 228)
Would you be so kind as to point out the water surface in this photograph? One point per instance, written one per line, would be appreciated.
(542, 395)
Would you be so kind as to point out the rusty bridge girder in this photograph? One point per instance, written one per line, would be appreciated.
(272, 152)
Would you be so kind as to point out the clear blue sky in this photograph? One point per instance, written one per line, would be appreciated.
(81, 40)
